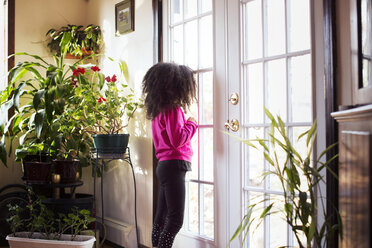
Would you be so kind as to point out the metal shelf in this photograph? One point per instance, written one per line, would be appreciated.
(105, 156)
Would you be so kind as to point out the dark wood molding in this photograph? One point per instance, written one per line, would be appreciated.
(11, 39)
(157, 9)
(11, 32)
(330, 67)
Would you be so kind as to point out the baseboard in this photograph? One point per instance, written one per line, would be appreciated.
(120, 233)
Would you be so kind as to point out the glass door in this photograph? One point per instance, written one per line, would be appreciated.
(247, 54)
(188, 39)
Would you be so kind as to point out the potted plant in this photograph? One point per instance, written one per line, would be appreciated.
(104, 106)
(38, 91)
(300, 203)
(37, 226)
(80, 41)
(70, 148)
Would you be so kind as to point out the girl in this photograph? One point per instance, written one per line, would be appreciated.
(167, 88)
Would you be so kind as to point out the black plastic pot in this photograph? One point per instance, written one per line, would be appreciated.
(67, 169)
(37, 172)
(111, 143)
(43, 157)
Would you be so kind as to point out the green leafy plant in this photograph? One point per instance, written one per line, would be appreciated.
(300, 203)
(39, 93)
(37, 218)
(77, 39)
(103, 104)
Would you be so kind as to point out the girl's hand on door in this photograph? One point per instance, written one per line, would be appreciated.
(192, 119)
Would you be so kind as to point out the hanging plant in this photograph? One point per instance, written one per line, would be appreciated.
(81, 41)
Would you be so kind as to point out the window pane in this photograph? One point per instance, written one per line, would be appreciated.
(177, 44)
(298, 25)
(300, 88)
(206, 97)
(300, 146)
(366, 26)
(255, 93)
(206, 5)
(275, 27)
(253, 30)
(191, 8)
(191, 45)
(176, 11)
(206, 42)
(256, 164)
(366, 69)
(256, 235)
(194, 173)
(275, 183)
(206, 154)
(278, 226)
(193, 207)
(208, 210)
(276, 101)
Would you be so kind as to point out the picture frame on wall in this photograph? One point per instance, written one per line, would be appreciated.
(124, 17)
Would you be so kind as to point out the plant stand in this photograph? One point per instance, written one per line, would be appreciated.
(59, 188)
(104, 157)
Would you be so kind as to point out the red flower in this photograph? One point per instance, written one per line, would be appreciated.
(101, 99)
(95, 68)
(108, 79)
(78, 71)
(113, 79)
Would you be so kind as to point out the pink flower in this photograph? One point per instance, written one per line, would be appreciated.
(101, 99)
(95, 68)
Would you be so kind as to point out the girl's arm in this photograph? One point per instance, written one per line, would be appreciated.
(179, 131)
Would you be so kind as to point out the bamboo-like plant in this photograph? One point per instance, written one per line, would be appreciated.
(299, 205)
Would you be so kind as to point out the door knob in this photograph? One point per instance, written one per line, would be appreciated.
(234, 98)
(233, 125)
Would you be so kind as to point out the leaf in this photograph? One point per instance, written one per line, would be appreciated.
(31, 55)
(327, 150)
(17, 93)
(124, 70)
(310, 133)
(37, 98)
(266, 211)
(267, 157)
(64, 44)
(3, 152)
(271, 117)
(17, 74)
(39, 120)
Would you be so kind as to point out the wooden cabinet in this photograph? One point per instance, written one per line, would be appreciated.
(355, 162)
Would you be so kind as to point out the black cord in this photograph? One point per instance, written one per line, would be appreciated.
(135, 198)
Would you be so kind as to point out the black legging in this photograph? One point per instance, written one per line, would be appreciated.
(171, 202)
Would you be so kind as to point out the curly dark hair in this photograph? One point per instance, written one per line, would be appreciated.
(167, 86)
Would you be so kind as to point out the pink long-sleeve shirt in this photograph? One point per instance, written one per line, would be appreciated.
(172, 135)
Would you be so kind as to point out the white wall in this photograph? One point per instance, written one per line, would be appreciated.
(136, 49)
(33, 19)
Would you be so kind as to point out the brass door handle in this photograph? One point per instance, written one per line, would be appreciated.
(233, 125)
(234, 98)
